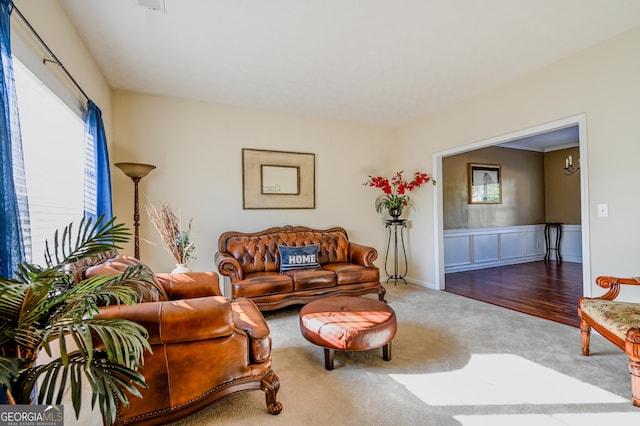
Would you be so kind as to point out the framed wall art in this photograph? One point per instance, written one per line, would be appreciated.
(485, 184)
(277, 179)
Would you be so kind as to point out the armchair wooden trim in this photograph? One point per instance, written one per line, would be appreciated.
(589, 310)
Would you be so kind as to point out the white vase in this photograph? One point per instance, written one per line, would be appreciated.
(181, 268)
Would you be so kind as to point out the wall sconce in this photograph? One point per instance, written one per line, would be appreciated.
(569, 168)
(135, 171)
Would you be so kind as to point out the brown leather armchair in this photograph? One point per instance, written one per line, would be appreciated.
(204, 347)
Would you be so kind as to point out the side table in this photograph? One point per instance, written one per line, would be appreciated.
(547, 240)
(395, 227)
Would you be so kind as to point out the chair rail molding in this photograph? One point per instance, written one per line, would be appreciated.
(478, 248)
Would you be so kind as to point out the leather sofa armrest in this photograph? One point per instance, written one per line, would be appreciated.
(178, 320)
(229, 266)
(248, 318)
(362, 255)
(190, 285)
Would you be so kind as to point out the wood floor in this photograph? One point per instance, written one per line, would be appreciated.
(544, 289)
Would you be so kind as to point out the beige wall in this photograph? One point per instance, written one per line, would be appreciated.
(522, 189)
(562, 193)
(603, 83)
(197, 149)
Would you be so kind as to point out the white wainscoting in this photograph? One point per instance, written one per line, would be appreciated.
(467, 249)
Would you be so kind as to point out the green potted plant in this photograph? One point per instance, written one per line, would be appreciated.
(41, 306)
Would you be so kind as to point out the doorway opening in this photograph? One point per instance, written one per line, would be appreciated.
(580, 122)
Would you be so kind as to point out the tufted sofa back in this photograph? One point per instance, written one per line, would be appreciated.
(258, 252)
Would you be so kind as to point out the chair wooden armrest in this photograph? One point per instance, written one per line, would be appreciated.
(613, 284)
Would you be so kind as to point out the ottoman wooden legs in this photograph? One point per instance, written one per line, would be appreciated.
(328, 358)
(328, 355)
(386, 352)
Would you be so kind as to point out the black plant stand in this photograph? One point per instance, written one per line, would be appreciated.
(395, 227)
(547, 239)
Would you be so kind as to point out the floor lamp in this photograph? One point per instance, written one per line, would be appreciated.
(136, 171)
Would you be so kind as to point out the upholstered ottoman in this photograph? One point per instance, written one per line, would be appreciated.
(348, 323)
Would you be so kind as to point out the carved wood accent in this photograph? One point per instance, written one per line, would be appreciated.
(270, 384)
(630, 344)
(585, 331)
(613, 284)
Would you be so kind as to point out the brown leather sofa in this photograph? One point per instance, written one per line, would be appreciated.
(204, 346)
(252, 262)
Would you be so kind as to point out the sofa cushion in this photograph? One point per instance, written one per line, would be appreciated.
(350, 273)
(304, 257)
(262, 283)
(306, 279)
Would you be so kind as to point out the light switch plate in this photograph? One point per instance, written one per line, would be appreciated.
(603, 210)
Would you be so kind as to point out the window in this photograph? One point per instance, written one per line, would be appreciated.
(53, 145)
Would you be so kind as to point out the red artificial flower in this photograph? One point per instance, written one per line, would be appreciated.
(395, 192)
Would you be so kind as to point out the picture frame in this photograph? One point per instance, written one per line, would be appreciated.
(277, 179)
(485, 183)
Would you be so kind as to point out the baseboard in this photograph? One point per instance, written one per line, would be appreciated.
(424, 284)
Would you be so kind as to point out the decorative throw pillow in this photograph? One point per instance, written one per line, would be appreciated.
(305, 257)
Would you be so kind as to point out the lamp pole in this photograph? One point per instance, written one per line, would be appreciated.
(136, 171)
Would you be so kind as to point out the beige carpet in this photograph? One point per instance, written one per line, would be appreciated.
(456, 361)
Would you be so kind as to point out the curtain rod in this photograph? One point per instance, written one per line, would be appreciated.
(55, 58)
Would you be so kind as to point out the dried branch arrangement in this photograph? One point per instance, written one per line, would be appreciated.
(178, 242)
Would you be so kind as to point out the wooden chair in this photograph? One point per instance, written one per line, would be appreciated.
(618, 322)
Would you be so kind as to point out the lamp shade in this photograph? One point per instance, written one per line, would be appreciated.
(135, 170)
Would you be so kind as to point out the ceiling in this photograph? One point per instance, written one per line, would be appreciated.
(380, 62)
(549, 141)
